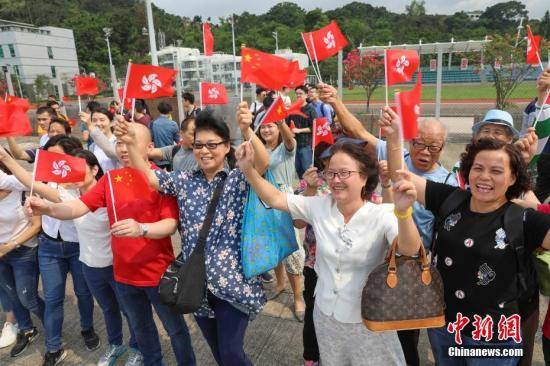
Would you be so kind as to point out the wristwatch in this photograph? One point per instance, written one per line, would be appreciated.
(144, 230)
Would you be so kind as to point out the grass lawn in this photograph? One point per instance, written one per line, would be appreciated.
(448, 92)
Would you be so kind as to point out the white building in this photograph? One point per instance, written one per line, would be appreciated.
(29, 51)
(218, 68)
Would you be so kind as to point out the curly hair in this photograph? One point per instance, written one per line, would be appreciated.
(517, 165)
(368, 165)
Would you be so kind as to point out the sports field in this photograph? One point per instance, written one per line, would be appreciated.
(449, 92)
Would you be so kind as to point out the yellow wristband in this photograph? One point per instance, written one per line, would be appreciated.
(403, 215)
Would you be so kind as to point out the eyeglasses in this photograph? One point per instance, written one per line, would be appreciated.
(209, 145)
(431, 148)
(342, 174)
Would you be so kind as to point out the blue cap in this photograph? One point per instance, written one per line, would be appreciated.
(497, 117)
(341, 140)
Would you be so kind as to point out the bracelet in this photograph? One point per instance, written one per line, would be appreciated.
(403, 215)
(386, 186)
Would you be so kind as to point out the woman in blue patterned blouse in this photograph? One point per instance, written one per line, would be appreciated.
(232, 300)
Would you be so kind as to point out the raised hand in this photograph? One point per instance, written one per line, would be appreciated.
(124, 131)
(311, 176)
(327, 93)
(244, 118)
(35, 205)
(85, 117)
(389, 121)
(528, 145)
(543, 82)
(245, 157)
(384, 173)
(404, 191)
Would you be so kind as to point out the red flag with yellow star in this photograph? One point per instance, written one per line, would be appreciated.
(13, 117)
(276, 112)
(269, 71)
(127, 185)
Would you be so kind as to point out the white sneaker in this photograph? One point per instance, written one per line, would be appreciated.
(9, 335)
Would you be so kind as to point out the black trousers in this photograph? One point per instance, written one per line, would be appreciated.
(546, 350)
(311, 348)
(542, 188)
(409, 343)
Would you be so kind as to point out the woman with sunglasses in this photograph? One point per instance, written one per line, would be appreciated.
(352, 236)
(231, 300)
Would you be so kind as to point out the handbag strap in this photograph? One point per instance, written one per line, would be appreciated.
(391, 279)
(207, 223)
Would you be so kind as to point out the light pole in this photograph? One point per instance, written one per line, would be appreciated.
(276, 36)
(234, 53)
(151, 30)
(114, 84)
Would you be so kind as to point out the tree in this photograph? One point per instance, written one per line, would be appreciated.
(42, 86)
(416, 8)
(544, 27)
(364, 70)
(503, 15)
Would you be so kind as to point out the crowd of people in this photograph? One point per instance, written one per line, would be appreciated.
(349, 201)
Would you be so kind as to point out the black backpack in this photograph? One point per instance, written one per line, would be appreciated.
(513, 226)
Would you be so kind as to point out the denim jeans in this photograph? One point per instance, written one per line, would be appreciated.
(56, 259)
(441, 340)
(137, 302)
(304, 156)
(5, 302)
(102, 286)
(19, 281)
(225, 332)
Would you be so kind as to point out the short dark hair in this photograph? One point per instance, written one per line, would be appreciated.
(186, 122)
(188, 97)
(91, 161)
(268, 101)
(164, 108)
(206, 121)
(301, 87)
(67, 143)
(140, 106)
(63, 123)
(517, 165)
(260, 90)
(49, 103)
(104, 111)
(368, 165)
(92, 105)
(46, 109)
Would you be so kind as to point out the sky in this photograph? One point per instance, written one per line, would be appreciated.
(223, 8)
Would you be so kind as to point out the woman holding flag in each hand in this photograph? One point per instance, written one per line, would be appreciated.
(353, 236)
(232, 300)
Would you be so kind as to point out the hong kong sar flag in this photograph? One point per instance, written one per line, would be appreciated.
(401, 65)
(213, 93)
(321, 132)
(58, 168)
(533, 43)
(325, 42)
(149, 82)
(408, 108)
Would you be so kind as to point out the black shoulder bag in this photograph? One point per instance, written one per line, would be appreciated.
(183, 285)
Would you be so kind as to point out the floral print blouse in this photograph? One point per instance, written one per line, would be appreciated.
(224, 272)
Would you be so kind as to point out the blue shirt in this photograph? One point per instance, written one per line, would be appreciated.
(423, 218)
(322, 110)
(224, 271)
(165, 132)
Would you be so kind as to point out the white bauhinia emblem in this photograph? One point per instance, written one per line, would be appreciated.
(150, 83)
(323, 130)
(401, 63)
(61, 168)
(329, 40)
(213, 93)
(529, 46)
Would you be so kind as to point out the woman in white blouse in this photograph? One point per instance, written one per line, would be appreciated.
(353, 236)
(99, 123)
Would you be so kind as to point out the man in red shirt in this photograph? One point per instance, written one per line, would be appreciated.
(142, 250)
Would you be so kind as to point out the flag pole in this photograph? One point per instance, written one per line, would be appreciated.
(133, 109)
(309, 55)
(242, 91)
(79, 105)
(401, 135)
(234, 53)
(313, 141)
(125, 87)
(541, 107)
(34, 171)
(386, 74)
(200, 94)
(315, 55)
(112, 195)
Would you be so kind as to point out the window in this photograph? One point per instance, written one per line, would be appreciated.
(12, 50)
(50, 52)
(1, 52)
(53, 71)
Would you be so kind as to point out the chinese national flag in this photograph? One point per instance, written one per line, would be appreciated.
(533, 44)
(86, 85)
(276, 112)
(325, 42)
(296, 109)
(149, 82)
(58, 168)
(127, 101)
(264, 69)
(401, 65)
(322, 132)
(408, 108)
(13, 117)
(213, 93)
(207, 39)
(127, 185)
(296, 76)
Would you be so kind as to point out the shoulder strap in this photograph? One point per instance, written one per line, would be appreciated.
(211, 210)
(513, 227)
(175, 150)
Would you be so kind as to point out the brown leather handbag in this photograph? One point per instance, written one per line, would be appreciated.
(403, 293)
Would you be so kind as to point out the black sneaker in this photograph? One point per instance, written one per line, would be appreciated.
(54, 358)
(23, 341)
(91, 340)
(267, 277)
